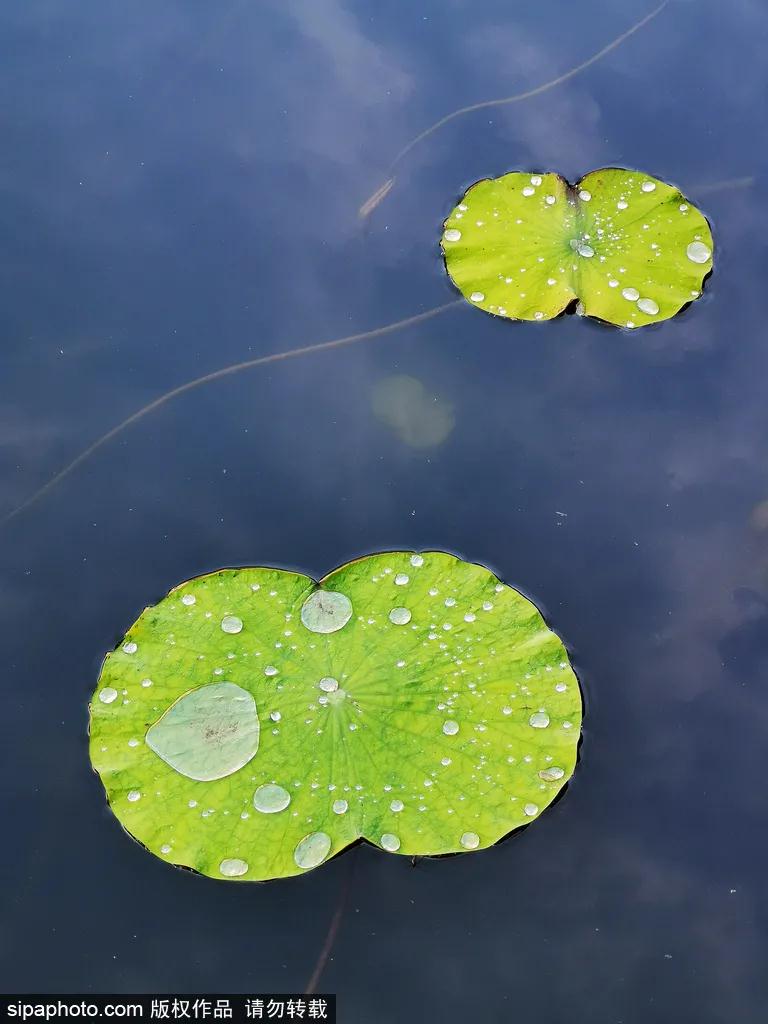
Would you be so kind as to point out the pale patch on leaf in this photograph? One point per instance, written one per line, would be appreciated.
(209, 733)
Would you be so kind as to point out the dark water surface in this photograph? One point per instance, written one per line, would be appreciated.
(179, 185)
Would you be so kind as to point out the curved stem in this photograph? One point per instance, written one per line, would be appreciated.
(373, 201)
(722, 186)
(333, 927)
(225, 371)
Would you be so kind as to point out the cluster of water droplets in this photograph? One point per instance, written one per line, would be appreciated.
(613, 239)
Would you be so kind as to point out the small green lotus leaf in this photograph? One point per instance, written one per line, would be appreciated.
(631, 248)
(254, 722)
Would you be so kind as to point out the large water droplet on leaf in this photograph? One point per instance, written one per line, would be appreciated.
(390, 842)
(270, 798)
(208, 733)
(400, 616)
(312, 850)
(698, 252)
(326, 611)
(233, 867)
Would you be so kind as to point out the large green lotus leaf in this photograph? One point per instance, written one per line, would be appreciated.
(254, 722)
(631, 248)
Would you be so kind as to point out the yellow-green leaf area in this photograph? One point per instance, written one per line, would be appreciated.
(631, 248)
(254, 723)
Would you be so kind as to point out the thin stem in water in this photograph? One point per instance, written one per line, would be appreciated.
(373, 201)
(722, 186)
(225, 371)
(333, 927)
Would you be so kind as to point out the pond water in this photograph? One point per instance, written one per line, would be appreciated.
(180, 185)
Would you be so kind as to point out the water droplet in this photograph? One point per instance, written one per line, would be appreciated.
(340, 806)
(683, 207)
(698, 252)
(470, 840)
(551, 774)
(613, 283)
(631, 294)
(401, 579)
(133, 743)
(208, 733)
(131, 647)
(165, 848)
(326, 611)
(231, 624)
(539, 720)
(417, 561)
(470, 617)
(270, 670)
(584, 195)
(269, 799)
(400, 616)
(531, 809)
(450, 728)
(648, 186)
(648, 306)
(233, 867)
(146, 682)
(528, 191)
(390, 842)
(396, 806)
(561, 687)
(107, 695)
(328, 684)
(477, 297)
(275, 716)
(622, 205)
(134, 795)
(312, 850)
(585, 250)
(536, 179)
(188, 599)
(452, 235)
(550, 200)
